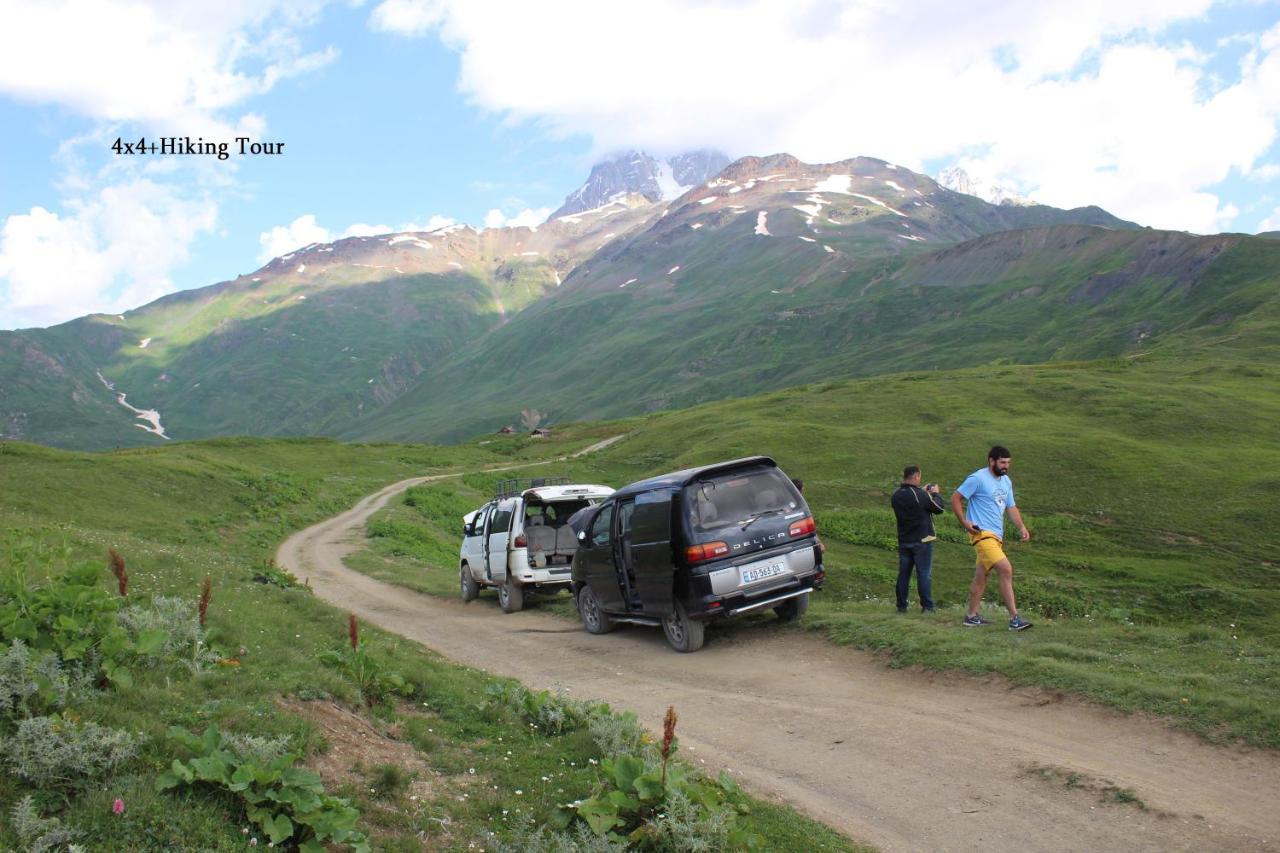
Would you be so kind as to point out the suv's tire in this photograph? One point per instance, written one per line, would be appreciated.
(594, 619)
(467, 584)
(684, 634)
(510, 595)
(792, 608)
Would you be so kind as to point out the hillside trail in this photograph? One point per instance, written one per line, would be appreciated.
(900, 759)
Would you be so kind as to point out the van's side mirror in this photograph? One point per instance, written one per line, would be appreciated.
(466, 530)
(582, 536)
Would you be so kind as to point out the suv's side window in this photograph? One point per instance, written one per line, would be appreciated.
(501, 520)
(600, 527)
(477, 526)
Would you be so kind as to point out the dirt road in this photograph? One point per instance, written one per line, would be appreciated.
(902, 760)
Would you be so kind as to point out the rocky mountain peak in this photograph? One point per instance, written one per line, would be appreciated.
(957, 179)
(639, 173)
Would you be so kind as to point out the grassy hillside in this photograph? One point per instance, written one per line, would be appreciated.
(431, 754)
(746, 313)
(1149, 483)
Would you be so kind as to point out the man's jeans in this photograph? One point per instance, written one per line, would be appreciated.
(920, 557)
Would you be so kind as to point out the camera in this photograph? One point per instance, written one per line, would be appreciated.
(928, 487)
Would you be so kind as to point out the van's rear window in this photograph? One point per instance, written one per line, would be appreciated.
(718, 502)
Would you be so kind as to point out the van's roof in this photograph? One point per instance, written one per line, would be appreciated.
(678, 479)
(570, 491)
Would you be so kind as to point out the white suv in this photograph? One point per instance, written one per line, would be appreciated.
(522, 540)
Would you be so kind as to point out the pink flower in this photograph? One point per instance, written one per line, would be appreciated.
(118, 806)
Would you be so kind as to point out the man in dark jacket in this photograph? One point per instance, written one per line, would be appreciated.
(915, 507)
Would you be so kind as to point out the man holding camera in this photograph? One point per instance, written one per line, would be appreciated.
(914, 508)
(989, 493)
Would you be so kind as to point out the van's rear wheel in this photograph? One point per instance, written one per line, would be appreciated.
(792, 608)
(594, 619)
(684, 634)
(510, 595)
(467, 584)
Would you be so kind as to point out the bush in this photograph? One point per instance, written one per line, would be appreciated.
(530, 838)
(40, 834)
(31, 683)
(289, 804)
(56, 752)
(177, 624)
(550, 713)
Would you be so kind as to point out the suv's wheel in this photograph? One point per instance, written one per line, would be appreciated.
(594, 619)
(510, 595)
(792, 608)
(467, 584)
(684, 634)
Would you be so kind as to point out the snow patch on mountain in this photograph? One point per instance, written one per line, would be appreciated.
(762, 223)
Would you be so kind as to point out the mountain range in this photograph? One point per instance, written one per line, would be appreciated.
(658, 284)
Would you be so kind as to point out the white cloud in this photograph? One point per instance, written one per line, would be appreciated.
(283, 239)
(1071, 102)
(112, 252)
(166, 65)
(526, 218)
(1271, 223)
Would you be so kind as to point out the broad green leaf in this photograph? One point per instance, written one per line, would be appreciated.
(649, 787)
(625, 769)
(278, 829)
(151, 642)
(601, 817)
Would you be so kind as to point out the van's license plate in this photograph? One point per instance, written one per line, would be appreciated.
(751, 574)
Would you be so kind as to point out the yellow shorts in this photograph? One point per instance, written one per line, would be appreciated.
(989, 548)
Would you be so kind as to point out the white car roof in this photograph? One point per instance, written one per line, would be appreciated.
(570, 491)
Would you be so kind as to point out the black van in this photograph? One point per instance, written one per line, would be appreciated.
(685, 547)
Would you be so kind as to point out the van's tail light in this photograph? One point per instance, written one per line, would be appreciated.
(706, 551)
(803, 527)
(521, 541)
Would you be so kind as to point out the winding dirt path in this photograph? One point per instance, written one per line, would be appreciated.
(900, 759)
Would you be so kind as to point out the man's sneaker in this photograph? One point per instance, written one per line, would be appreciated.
(1017, 623)
(975, 620)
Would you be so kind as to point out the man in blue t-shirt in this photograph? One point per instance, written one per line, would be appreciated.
(989, 493)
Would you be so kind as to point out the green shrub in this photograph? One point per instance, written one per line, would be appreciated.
(72, 616)
(41, 834)
(56, 752)
(31, 682)
(287, 803)
(177, 621)
(374, 683)
(550, 713)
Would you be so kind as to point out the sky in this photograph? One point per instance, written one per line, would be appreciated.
(396, 115)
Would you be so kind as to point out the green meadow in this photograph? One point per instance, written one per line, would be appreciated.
(172, 737)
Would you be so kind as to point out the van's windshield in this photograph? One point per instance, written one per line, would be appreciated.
(739, 499)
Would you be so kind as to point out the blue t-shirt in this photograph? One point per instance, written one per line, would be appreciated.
(987, 497)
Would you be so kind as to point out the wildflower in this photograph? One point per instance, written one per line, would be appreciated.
(206, 593)
(118, 806)
(518, 791)
(122, 576)
(253, 842)
(668, 737)
(353, 631)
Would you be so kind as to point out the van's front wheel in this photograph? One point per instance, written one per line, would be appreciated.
(594, 619)
(467, 584)
(510, 595)
(684, 634)
(792, 608)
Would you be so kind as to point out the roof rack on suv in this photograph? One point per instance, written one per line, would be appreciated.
(515, 486)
